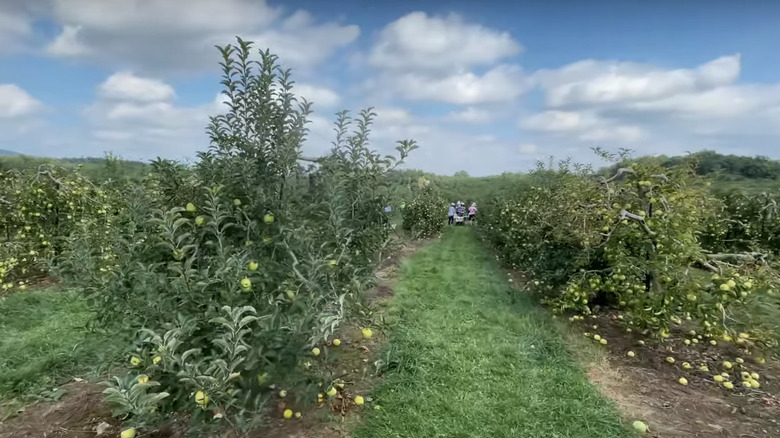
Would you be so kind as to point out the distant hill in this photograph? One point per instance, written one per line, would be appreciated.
(98, 169)
(8, 153)
(730, 167)
(728, 172)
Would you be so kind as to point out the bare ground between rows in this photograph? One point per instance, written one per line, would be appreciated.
(37, 283)
(81, 411)
(646, 386)
(76, 415)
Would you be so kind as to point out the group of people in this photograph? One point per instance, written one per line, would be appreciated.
(459, 209)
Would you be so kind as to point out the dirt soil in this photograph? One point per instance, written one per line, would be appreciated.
(646, 386)
(81, 411)
(35, 284)
(76, 415)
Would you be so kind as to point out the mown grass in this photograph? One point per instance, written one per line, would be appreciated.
(469, 363)
(44, 338)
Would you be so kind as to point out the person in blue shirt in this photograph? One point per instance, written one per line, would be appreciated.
(451, 214)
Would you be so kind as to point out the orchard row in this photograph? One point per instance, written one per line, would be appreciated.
(654, 242)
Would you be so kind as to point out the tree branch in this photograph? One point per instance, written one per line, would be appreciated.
(295, 270)
(620, 172)
(750, 257)
(624, 214)
(708, 266)
(48, 174)
(664, 202)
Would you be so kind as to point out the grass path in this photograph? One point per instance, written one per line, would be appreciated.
(471, 364)
(43, 340)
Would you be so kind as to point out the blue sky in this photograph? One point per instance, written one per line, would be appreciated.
(483, 86)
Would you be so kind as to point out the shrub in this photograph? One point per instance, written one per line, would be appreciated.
(424, 215)
(233, 270)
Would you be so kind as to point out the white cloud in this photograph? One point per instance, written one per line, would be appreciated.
(500, 84)
(448, 151)
(585, 126)
(620, 134)
(302, 43)
(320, 137)
(127, 86)
(445, 150)
(421, 57)
(469, 115)
(220, 104)
(114, 136)
(127, 16)
(528, 148)
(321, 97)
(392, 115)
(152, 113)
(67, 43)
(162, 37)
(717, 103)
(16, 102)
(393, 124)
(20, 124)
(148, 129)
(486, 138)
(657, 109)
(136, 117)
(593, 82)
(419, 41)
(559, 121)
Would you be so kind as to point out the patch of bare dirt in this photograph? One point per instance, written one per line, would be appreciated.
(389, 266)
(675, 411)
(646, 386)
(37, 283)
(45, 282)
(77, 414)
(383, 291)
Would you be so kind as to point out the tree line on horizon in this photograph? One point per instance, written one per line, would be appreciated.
(726, 168)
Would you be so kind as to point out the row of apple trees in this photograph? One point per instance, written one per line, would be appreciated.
(227, 277)
(653, 241)
(424, 215)
(37, 208)
(749, 222)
